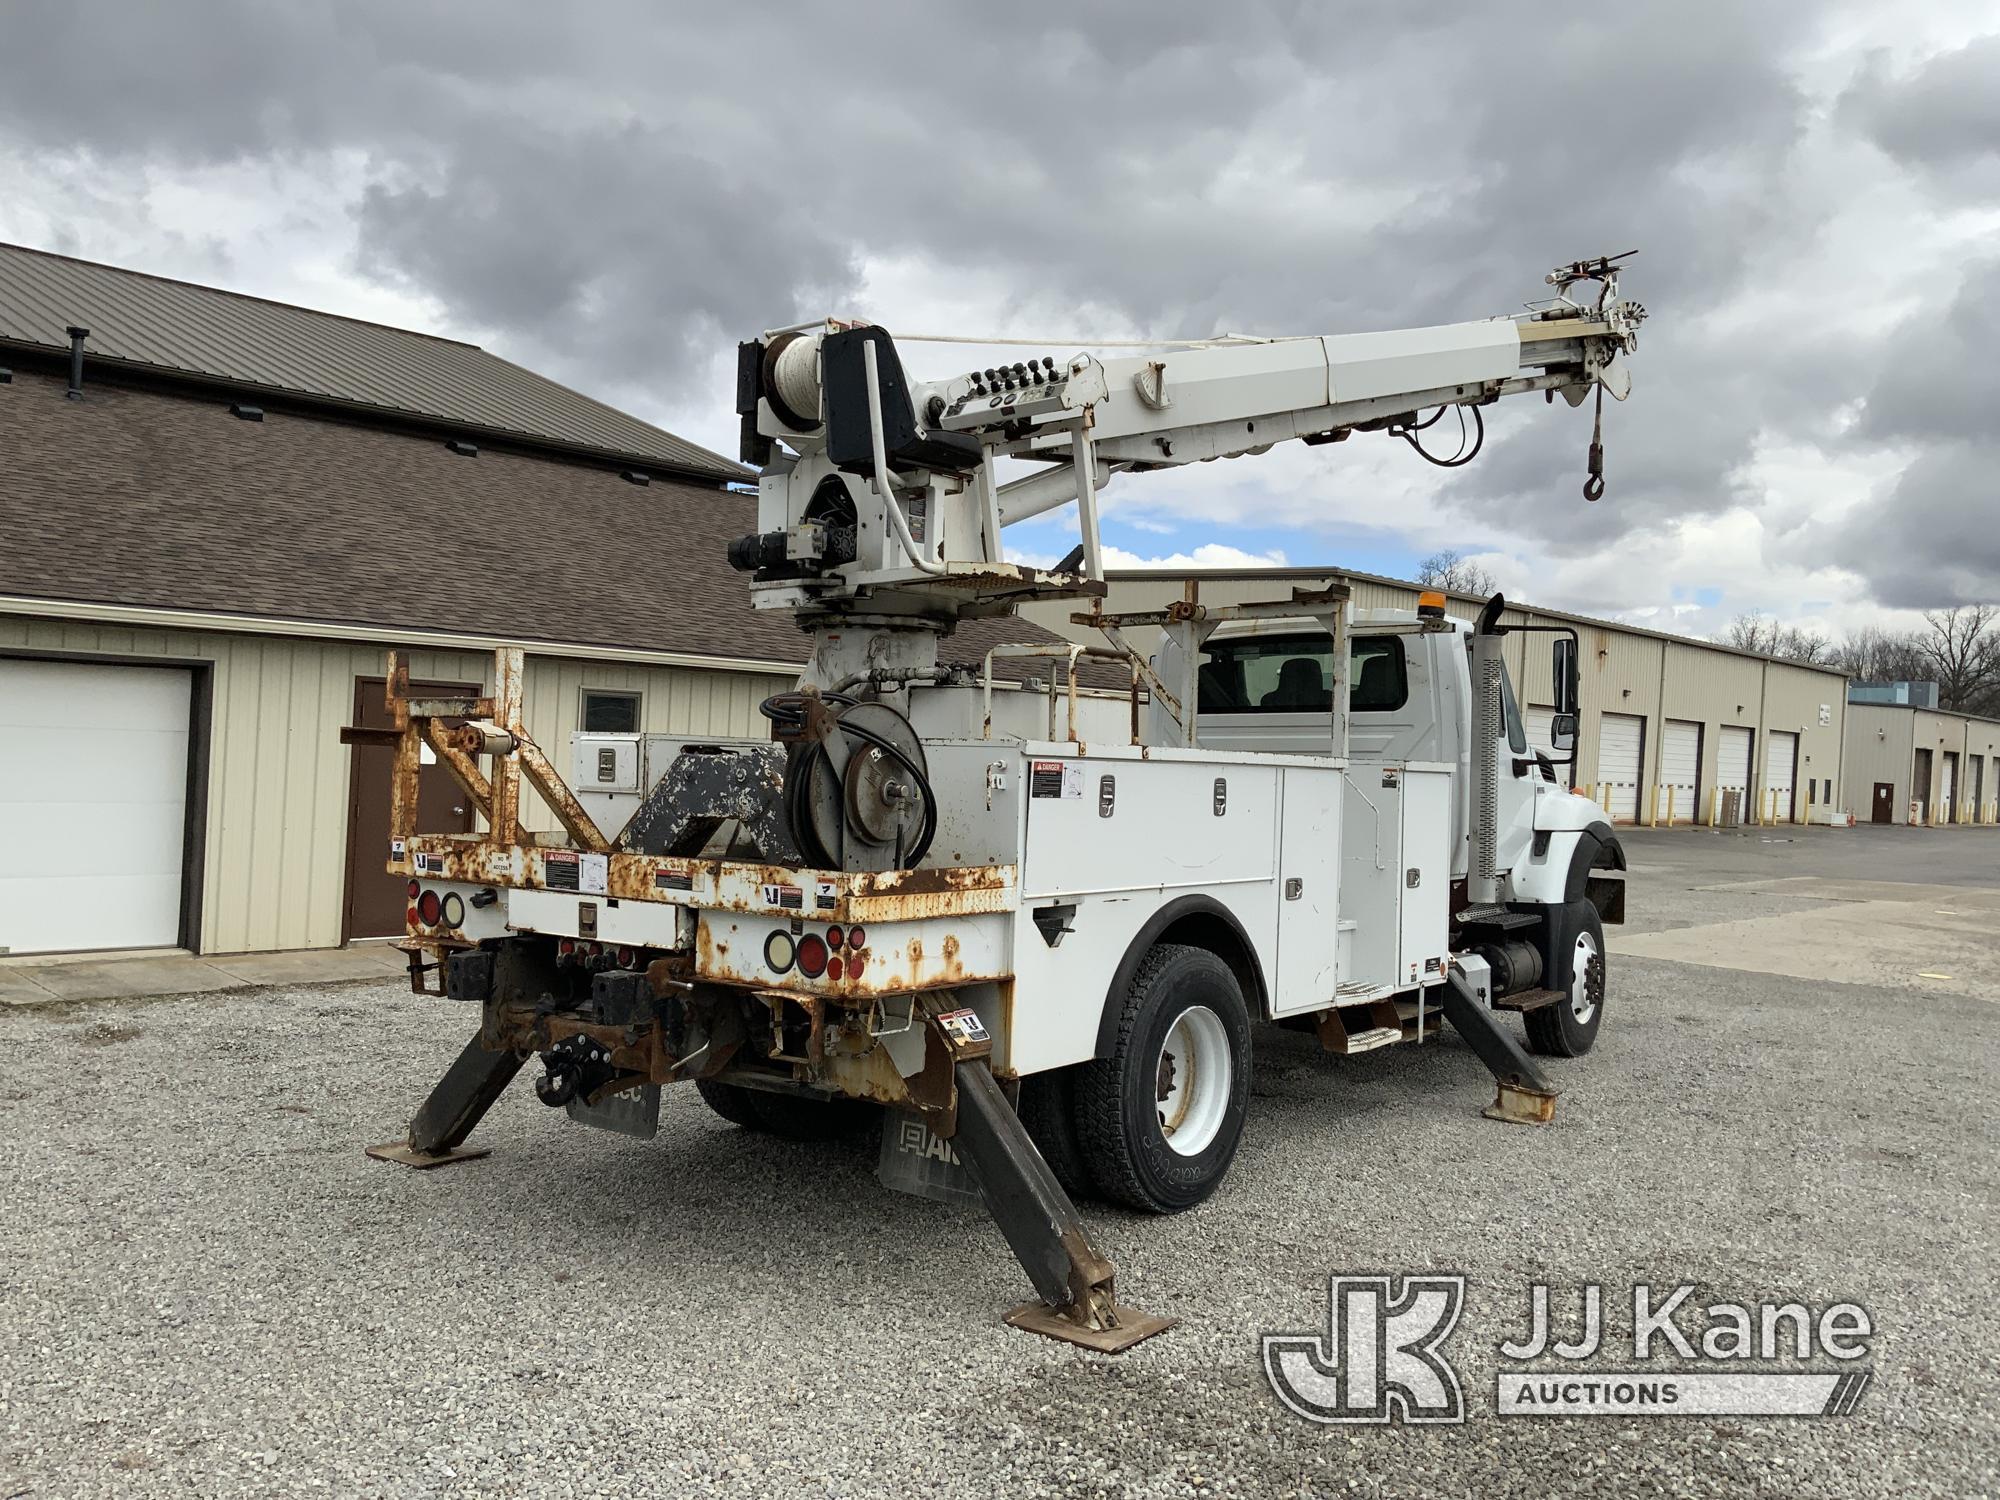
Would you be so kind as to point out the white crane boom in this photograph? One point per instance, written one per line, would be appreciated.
(878, 493)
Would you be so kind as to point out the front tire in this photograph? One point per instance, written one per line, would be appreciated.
(1159, 1120)
(1568, 1028)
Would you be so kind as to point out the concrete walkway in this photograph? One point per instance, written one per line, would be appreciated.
(36, 979)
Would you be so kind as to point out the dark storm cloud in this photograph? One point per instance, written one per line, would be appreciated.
(621, 192)
(1933, 536)
(1944, 113)
(1940, 370)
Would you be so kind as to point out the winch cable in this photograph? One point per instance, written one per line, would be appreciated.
(787, 710)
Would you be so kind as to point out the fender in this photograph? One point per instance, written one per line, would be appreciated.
(1200, 922)
(1597, 848)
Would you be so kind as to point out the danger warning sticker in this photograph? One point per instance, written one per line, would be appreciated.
(787, 897)
(1056, 778)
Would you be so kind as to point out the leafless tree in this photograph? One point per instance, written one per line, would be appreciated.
(1765, 636)
(1872, 654)
(1451, 571)
(1961, 647)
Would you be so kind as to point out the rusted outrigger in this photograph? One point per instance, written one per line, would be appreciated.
(692, 1005)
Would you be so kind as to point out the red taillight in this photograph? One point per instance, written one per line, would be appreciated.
(857, 938)
(430, 906)
(626, 957)
(413, 916)
(414, 889)
(854, 963)
(835, 937)
(565, 947)
(812, 955)
(833, 967)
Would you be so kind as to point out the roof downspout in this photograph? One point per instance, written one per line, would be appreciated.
(76, 338)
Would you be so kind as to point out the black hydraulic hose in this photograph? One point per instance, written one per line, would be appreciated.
(1465, 454)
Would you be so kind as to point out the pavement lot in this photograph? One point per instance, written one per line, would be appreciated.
(208, 1290)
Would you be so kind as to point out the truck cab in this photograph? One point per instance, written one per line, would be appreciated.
(1268, 686)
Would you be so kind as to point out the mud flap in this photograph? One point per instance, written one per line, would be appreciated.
(917, 1161)
(635, 1112)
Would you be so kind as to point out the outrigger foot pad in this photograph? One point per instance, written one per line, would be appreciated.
(1130, 1326)
(1521, 1106)
(406, 1155)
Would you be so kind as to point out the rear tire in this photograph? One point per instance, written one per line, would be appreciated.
(1568, 1028)
(1159, 1120)
(794, 1117)
(729, 1100)
(1048, 1114)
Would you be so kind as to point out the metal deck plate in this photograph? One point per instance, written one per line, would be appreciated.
(400, 1153)
(1133, 1326)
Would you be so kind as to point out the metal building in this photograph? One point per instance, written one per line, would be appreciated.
(1669, 728)
(1921, 765)
(217, 514)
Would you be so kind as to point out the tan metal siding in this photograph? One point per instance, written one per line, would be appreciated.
(1878, 747)
(1793, 699)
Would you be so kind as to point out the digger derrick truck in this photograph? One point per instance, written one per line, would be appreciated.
(1036, 926)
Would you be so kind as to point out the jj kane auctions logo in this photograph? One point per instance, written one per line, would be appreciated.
(1382, 1356)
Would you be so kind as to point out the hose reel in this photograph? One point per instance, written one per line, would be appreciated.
(857, 793)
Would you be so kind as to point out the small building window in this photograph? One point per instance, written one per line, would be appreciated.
(607, 712)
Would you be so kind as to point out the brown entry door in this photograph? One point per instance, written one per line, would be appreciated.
(377, 902)
(1883, 808)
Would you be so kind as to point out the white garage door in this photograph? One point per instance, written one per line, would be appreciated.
(93, 805)
(1680, 770)
(1948, 789)
(1620, 738)
(1732, 765)
(1781, 762)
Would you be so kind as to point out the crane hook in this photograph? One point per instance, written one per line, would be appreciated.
(1593, 486)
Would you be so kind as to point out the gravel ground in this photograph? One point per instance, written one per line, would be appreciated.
(208, 1290)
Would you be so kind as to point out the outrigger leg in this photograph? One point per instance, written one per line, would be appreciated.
(1526, 1096)
(459, 1102)
(1041, 1226)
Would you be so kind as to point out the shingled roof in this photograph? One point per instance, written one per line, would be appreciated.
(146, 497)
(151, 324)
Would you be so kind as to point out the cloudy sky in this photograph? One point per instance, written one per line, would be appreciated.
(615, 194)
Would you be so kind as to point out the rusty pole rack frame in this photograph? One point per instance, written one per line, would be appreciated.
(493, 728)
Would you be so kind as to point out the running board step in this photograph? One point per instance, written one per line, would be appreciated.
(1527, 1000)
(1360, 1028)
(1496, 916)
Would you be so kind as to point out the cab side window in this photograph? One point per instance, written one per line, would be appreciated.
(1294, 674)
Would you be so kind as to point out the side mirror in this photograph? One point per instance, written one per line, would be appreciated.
(1563, 653)
(1562, 732)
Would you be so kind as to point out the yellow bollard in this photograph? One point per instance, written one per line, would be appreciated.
(1670, 804)
(1715, 807)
